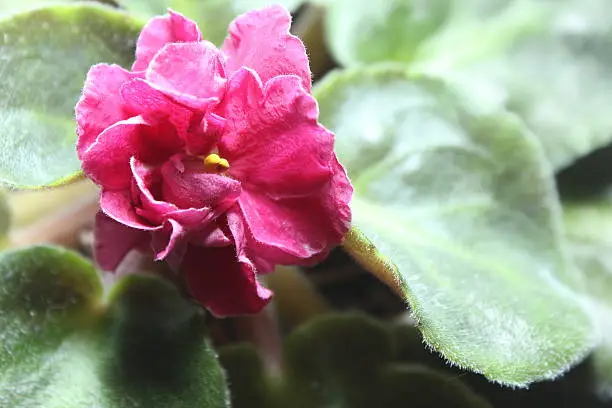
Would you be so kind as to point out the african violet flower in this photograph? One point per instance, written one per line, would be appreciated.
(213, 159)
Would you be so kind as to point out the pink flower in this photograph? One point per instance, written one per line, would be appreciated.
(213, 159)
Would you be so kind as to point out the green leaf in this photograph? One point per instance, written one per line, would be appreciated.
(463, 212)
(63, 347)
(213, 16)
(589, 229)
(547, 61)
(383, 30)
(322, 369)
(46, 54)
(8, 7)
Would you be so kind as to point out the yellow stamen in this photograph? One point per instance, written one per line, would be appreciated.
(214, 162)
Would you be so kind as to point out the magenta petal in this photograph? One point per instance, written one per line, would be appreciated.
(158, 211)
(186, 187)
(118, 205)
(100, 105)
(215, 238)
(336, 199)
(224, 281)
(107, 161)
(272, 138)
(145, 100)
(160, 31)
(113, 241)
(169, 240)
(260, 40)
(149, 102)
(295, 231)
(145, 178)
(188, 70)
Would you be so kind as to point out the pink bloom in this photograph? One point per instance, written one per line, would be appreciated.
(213, 159)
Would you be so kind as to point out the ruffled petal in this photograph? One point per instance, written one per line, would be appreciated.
(118, 205)
(272, 139)
(224, 281)
(336, 198)
(100, 105)
(187, 186)
(114, 240)
(147, 101)
(195, 126)
(292, 231)
(107, 161)
(260, 40)
(160, 31)
(170, 240)
(192, 72)
(235, 223)
(283, 231)
(147, 179)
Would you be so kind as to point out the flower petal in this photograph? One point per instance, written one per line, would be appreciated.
(191, 122)
(236, 224)
(160, 31)
(224, 281)
(260, 40)
(147, 180)
(189, 71)
(145, 100)
(293, 231)
(169, 240)
(272, 139)
(113, 241)
(337, 197)
(107, 161)
(118, 205)
(100, 105)
(187, 186)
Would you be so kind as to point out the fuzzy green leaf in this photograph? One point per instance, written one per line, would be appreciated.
(8, 7)
(62, 347)
(321, 369)
(462, 211)
(547, 61)
(589, 229)
(383, 30)
(46, 54)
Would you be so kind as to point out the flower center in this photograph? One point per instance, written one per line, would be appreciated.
(214, 163)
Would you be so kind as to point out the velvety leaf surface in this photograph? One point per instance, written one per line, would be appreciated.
(340, 361)
(589, 228)
(548, 61)
(46, 54)
(460, 208)
(8, 7)
(62, 347)
(383, 30)
(212, 16)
